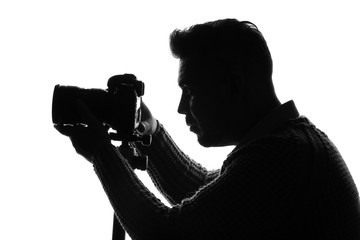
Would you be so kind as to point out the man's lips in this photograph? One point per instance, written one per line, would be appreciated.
(192, 124)
(189, 121)
(193, 127)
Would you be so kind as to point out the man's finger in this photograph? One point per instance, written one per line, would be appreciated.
(68, 130)
(63, 129)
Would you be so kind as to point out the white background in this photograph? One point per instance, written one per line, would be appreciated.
(47, 190)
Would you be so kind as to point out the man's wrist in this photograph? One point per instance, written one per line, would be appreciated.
(101, 148)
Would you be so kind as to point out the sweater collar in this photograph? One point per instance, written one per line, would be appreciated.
(273, 120)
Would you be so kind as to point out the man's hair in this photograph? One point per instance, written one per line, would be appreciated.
(228, 43)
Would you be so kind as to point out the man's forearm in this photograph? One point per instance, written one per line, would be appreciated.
(138, 210)
(174, 173)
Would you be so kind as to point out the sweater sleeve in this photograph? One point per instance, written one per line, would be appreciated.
(254, 194)
(174, 173)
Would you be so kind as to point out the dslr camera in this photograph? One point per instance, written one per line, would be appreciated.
(118, 107)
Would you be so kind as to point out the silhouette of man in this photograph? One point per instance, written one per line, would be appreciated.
(284, 179)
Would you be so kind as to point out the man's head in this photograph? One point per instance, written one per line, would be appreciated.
(225, 73)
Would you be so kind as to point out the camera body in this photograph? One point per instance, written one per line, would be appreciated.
(118, 106)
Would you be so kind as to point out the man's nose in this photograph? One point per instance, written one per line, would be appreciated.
(183, 105)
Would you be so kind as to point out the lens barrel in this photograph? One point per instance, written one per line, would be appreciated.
(64, 110)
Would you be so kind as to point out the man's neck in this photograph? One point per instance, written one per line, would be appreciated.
(271, 121)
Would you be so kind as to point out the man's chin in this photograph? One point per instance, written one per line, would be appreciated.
(206, 141)
(211, 141)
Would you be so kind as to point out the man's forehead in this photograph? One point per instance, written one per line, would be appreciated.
(193, 72)
(183, 77)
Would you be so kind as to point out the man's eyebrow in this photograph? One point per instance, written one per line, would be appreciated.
(183, 74)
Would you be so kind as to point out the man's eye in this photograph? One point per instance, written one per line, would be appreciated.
(191, 91)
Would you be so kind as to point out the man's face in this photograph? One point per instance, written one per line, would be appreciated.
(206, 102)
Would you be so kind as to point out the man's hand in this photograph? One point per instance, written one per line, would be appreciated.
(148, 123)
(86, 138)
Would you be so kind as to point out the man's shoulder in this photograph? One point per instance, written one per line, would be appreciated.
(300, 131)
(284, 151)
(290, 139)
(291, 132)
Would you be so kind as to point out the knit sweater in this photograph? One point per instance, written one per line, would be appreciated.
(287, 181)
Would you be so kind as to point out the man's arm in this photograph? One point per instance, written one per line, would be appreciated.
(174, 173)
(256, 194)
